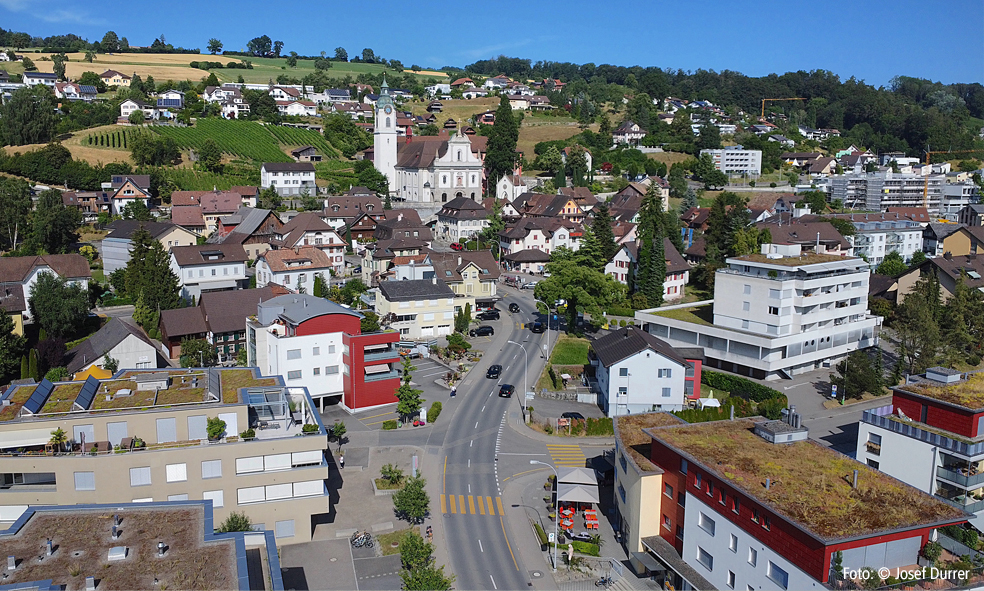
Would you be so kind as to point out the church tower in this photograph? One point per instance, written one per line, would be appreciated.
(384, 154)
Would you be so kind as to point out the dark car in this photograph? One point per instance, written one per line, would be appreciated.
(457, 246)
(506, 391)
(494, 372)
(482, 331)
(582, 537)
(514, 307)
(492, 314)
(537, 327)
(574, 416)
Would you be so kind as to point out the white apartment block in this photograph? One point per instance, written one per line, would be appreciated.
(288, 178)
(875, 191)
(208, 267)
(956, 196)
(736, 160)
(878, 234)
(777, 314)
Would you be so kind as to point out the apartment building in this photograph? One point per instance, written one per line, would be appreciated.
(875, 191)
(461, 218)
(418, 309)
(208, 267)
(931, 437)
(775, 314)
(295, 268)
(319, 345)
(142, 436)
(736, 160)
(289, 178)
(957, 196)
(877, 235)
(740, 509)
(473, 276)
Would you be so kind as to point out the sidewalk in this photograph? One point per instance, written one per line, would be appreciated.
(516, 423)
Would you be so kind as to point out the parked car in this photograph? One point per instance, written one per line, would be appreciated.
(506, 391)
(529, 285)
(494, 372)
(492, 314)
(482, 331)
(537, 327)
(574, 416)
(457, 246)
(514, 307)
(582, 537)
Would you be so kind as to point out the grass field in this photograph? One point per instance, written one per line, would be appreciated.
(175, 67)
(570, 351)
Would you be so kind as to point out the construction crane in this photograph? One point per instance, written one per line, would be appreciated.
(778, 99)
(929, 155)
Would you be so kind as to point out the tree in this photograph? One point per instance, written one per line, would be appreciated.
(28, 64)
(709, 138)
(369, 322)
(291, 61)
(321, 64)
(110, 42)
(54, 226)
(338, 431)
(368, 56)
(150, 149)
(689, 201)
(428, 578)
(236, 521)
(340, 55)
(11, 348)
(601, 227)
(462, 319)
(550, 160)
(918, 258)
(917, 326)
(58, 439)
(585, 289)
(892, 265)
(136, 117)
(729, 213)
(318, 290)
(197, 353)
(60, 308)
(58, 65)
(210, 155)
(677, 178)
(278, 46)
(651, 272)
(136, 210)
(495, 224)
(715, 178)
(500, 158)
(15, 208)
(110, 364)
(214, 46)
(269, 199)
(28, 117)
(415, 552)
(409, 404)
(856, 375)
(411, 503)
(149, 273)
(260, 46)
(816, 200)
(33, 371)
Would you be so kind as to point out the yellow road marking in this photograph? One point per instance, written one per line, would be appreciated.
(491, 507)
(380, 415)
(461, 503)
(444, 504)
(375, 423)
(444, 476)
(471, 505)
(453, 508)
(508, 545)
(498, 503)
(481, 506)
(521, 473)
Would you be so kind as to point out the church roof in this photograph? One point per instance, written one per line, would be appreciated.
(421, 151)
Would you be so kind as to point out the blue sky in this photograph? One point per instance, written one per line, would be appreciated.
(873, 41)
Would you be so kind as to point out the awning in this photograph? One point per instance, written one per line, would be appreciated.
(570, 475)
(646, 560)
(374, 369)
(24, 438)
(710, 403)
(577, 493)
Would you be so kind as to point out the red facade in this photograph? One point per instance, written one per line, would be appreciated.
(937, 414)
(358, 392)
(695, 379)
(346, 323)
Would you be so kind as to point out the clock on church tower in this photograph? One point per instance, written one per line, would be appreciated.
(385, 136)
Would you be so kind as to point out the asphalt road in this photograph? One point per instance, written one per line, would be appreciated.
(472, 512)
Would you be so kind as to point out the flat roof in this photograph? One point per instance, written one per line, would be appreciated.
(797, 261)
(811, 485)
(629, 430)
(81, 539)
(968, 393)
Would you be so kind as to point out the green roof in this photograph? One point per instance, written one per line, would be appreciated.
(967, 393)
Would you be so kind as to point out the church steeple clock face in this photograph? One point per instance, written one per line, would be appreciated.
(388, 109)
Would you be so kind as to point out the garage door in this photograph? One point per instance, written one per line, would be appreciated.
(444, 330)
(427, 331)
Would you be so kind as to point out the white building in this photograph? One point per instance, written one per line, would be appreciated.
(623, 268)
(299, 108)
(385, 137)
(295, 268)
(736, 160)
(35, 78)
(956, 196)
(510, 187)
(438, 169)
(460, 218)
(209, 267)
(632, 355)
(289, 178)
(776, 314)
(878, 234)
(120, 340)
(420, 309)
(875, 191)
(19, 274)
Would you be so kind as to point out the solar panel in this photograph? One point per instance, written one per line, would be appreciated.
(88, 392)
(169, 102)
(36, 402)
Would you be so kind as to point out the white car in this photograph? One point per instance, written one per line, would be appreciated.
(530, 284)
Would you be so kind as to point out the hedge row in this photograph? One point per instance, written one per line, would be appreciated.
(738, 386)
(433, 412)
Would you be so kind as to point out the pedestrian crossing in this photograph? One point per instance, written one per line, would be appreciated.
(471, 505)
(566, 455)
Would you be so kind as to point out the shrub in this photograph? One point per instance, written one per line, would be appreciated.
(215, 427)
(248, 434)
(308, 428)
(599, 427)
(932, 551)
(974, 360)
(540, 533)
(582, 547)
(772, 409)
(772, 185)
(389, 425)
(554, 381)
(621, 324)
(620, 311)
(738, 386)
(433, 412)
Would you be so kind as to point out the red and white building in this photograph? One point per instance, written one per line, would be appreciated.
(624, 266)
(317, 344)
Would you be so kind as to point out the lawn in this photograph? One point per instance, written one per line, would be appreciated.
(234, 379)
(698, 314)
(386, 541)
(17, 400)
(570, 351)
(180, 396)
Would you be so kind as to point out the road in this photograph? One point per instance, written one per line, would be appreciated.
(482, 556)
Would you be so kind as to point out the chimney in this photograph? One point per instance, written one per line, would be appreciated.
(434, 280)
(11, 563)
(48, 549)
(459, 259)
(90, 584)
(399, 217)
(855, 484)
(768, 483)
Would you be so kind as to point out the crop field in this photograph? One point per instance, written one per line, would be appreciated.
(111, 138)
(247, 139)
(340, 172)
(188, 179)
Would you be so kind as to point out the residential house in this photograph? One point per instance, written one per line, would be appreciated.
(90, 203)
(765, 302)
(305, 154)
(940, 239)
(169, 103)
(289, 178)
(208, 267)
(800, 160)
(309, 229)
(948, 270)
(298, 108)
(418, 309)
(625, 265)
(472, 93)
(118, 244)
(73, 91)
(19, 274)
(294, 268)
(319, 345)
(631, 356)
(182, 324)
(509, 212)
(695, 218)
(807, 232)
(342, 210)
(285, 93)
(435, 107)
(128, 106)
(782, 140)
(817, 134)
(114, 78)
(628, 133)
(625, 204)
(190, 217)
(472, 275)
(254, 229)
(35, 78)
(541, 205)
(355, 111)
(402, 223)
(118, 339)
(331, 95)
(971, 215)
(461, 218)
(581, 195)
(540, 234)
(129, 189)
(496, 82)
(379, 256)
(197, 207)
(530, 260)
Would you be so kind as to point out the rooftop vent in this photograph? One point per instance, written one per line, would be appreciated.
(943, 375)
(118, 553)
(787, 430)
(90, 584)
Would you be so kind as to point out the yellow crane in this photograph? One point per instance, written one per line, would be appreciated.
(778, 99)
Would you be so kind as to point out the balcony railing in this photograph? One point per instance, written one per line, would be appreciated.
(967, 503)
(961, 476)
(873, 448)
(375, 377)
(377, 355)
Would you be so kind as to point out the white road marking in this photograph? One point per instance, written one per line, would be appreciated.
(480, 547)
(519, 454)
(469, 462)
(493, 582)
(476, 424)
(469, 489)
(471, 443)
(483, 408)
(507, 368)
(514, 356)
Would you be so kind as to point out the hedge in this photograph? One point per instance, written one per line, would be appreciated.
(433, 412)
(598, 427)
(580, 547)
(738, 386)
(540, 533)
(389, 425)
(617, 311)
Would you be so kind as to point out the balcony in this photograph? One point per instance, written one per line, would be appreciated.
(961, 475)
(380, 355)
(389, 375)
(875, 449)
(968, 503)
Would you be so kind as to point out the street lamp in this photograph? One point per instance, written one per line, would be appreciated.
(557, 515)
(526, 371)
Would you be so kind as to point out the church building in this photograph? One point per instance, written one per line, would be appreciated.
(426, 169)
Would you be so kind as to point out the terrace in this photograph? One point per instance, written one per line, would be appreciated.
(796, 261)
(702, 313)
(235, 379)
(810, 485)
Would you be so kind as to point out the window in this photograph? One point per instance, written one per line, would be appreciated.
(755, 515)
(773, 310)
(623, 391)
(624, 463)
(705, 523)
(722, 497)
(85, 481)
(668, 490)
(705, 559)
(140, 476)
(331, 349)
(767, 523)
(176, 472)
(683, 466)
(623, 372)
(183, 497)
(745, 306)
(213, 272)
(285, 529)
(331, 370)
(317, 371)
(873, 463)
(746, 289)
(753, 556)
(316, 351)
(697, 481)
(294, 375)
(621, 492)
(216, 497)
(735, 505)
(777, 575)
(731, 580)
(293, 354)
(211, 469)
(667, 392)
(666, 521)
(744, 324)
(710, 489)
(733, 543)
(665, 373)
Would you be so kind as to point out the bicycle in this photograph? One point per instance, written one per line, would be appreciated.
(360, 539)
(603, 582)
